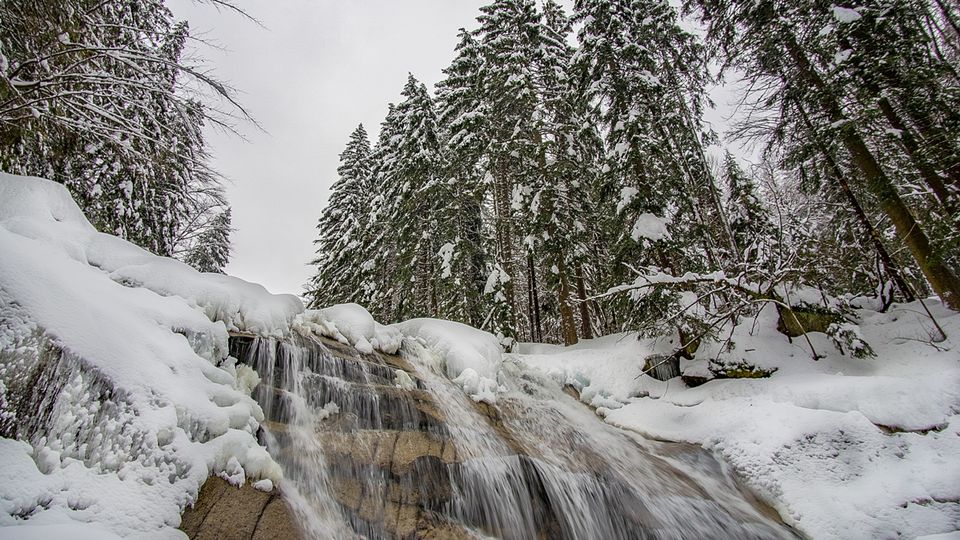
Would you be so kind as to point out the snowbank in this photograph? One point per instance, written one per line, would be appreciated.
(470, 357)
(142, 403)
(842, 447)
(353, 325)
(607, 383)
(44, 212)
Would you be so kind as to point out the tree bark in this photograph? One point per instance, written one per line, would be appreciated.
(907, 139)
(501, 194)
(533, 333)
(563, 300)
(536, 326)
(889, 266)
(930, 176)
(473, 277)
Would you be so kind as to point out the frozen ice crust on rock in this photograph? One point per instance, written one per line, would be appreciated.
(469, 357)
(131, 350)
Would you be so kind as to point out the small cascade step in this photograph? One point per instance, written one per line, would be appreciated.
(341, 362)
(375, 406)
(359, 406)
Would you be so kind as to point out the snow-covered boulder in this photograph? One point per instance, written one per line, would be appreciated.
(124, 356)
(469, 357)
(353, 325)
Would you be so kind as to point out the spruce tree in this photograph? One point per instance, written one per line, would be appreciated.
(509, 35)
(340, 244)
(378, 268)
(647, 76)
(211, 251)
(407, 164)
(749, 220)
(464, 125)
(561, 211)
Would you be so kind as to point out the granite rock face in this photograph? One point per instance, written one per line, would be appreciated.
(387, 453)
(420, 460)
(224, 512)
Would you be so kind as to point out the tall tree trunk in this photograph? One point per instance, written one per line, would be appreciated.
(910, 144)
(536, 326)
(938, 145)
(569, 326)
(945, 152)
(713, 192)
(586, 331)
(941, 278)
(425, 292)
(889, 266)
(930, 176)
(473, 278)
(504, 234)
(530, 285)
(693, 197)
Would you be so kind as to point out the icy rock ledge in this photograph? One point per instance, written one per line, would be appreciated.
(125, 356)
(469, 357)
(352, 325)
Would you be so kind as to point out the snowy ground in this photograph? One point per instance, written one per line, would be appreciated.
(841, 447)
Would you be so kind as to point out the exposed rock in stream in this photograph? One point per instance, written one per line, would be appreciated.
(223, 511)
(366, 456)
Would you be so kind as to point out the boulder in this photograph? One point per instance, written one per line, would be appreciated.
(224, 512)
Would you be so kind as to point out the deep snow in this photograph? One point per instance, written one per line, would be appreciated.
(150, 405)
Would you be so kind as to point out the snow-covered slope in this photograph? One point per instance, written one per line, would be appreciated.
(138, 402)
(844, 448)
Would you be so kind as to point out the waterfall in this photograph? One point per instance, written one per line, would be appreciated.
(380, 446)
(289, 430)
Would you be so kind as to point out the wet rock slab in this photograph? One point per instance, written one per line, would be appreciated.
(399, 462)
(225, 512)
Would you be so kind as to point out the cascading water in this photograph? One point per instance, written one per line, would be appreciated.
(549, 466)
(383, 447)
(283, 369)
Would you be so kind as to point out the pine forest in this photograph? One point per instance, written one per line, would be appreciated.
(560, 182)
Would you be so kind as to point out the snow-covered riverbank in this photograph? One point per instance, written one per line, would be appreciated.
(841, 447)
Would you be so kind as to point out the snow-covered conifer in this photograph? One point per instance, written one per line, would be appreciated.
(341, 248)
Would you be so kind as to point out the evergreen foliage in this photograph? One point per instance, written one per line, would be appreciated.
(96, 95)
(558, 187)
(211, 251)
(342, 231)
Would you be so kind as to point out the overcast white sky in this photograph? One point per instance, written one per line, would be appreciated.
(317, 69)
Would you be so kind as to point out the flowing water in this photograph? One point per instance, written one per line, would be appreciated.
(369, 453)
